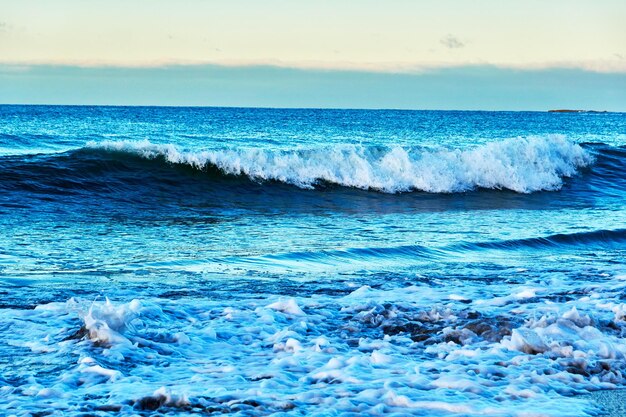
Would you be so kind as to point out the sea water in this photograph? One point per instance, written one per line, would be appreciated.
(310, 262)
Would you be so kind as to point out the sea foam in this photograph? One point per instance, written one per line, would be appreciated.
(369, 352)
(523, 165)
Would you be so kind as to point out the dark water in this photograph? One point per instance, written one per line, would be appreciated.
(310, 262)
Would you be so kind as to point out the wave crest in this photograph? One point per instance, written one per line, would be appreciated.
(523, 165)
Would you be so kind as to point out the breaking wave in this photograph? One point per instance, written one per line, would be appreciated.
(523, 165)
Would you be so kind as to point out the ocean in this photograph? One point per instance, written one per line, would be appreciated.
(248, 262)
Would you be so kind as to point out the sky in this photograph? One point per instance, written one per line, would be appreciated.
(447, 54)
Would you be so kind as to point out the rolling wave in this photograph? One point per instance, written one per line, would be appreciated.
(587, 239)
(406, 178)
(397, 255)
(523, 165)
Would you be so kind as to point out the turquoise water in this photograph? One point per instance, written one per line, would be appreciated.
(310, 262)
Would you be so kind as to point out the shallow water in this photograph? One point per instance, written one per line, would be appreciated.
(310, 262)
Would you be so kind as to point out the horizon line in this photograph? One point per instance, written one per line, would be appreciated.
(399, 68)
(557, 111)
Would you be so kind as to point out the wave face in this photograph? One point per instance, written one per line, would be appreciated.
(523, 165)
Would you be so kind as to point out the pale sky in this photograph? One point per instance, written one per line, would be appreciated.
(397, 36)
(329, 34)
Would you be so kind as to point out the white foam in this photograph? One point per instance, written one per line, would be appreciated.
(521, 164)
(289, 306)
(339, 357)
(105, 322)
(110, 374)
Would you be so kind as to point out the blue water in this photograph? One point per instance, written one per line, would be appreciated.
(310, 262)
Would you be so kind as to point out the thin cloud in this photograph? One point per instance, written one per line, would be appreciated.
(452, 42)
(615, 65)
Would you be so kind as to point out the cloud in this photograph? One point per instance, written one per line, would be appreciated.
(616, 64)
(6, 27)
(452, 42)
(464, 88)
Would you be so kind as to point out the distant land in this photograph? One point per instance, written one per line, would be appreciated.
(575, 111)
